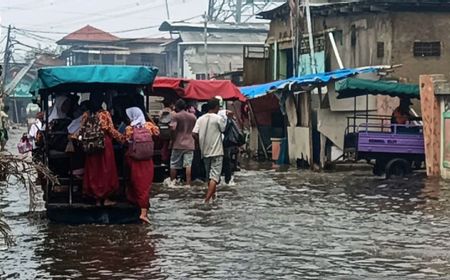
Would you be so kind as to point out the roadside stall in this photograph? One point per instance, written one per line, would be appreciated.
(299, 99)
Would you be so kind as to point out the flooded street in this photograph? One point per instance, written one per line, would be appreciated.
(271, 225)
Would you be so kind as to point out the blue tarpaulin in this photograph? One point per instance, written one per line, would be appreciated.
(319, 79)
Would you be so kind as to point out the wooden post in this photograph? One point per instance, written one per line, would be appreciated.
(309, 110)
(431, 123)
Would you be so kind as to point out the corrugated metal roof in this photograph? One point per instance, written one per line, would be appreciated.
(146, 40)
(190, 36)
(360, 6)
(225, 26)
(88, 34)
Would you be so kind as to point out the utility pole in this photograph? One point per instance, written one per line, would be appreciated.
(6, 59)
(238, 11)
(167, 9)
(205, 34)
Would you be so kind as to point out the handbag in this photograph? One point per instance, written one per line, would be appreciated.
(24, 145)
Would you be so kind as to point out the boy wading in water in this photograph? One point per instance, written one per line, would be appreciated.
(208, 131)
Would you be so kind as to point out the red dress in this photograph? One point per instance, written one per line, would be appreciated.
(141, 174)
(100, 172)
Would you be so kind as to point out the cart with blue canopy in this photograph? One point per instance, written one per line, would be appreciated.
(122, 86)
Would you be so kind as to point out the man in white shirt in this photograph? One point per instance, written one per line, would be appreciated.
(208, 132)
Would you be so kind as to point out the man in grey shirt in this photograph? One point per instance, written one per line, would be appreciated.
(208, 131)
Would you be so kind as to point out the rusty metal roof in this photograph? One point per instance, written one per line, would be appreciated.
(345, 7)
(88, 34)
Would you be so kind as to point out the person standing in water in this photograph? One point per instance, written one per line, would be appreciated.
(183, 144)
(141, 171)
(100, 179)
(208, 131)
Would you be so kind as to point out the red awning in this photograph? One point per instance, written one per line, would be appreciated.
(200, 90)
(165, 84)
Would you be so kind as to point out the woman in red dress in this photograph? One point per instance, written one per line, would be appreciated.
(100, 178)
(141, 177)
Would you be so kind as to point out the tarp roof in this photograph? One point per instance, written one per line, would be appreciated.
(51, 77)
(352, 87)
(200, 90)
(307, 80)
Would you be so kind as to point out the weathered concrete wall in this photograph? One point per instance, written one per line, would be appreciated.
(279, 29)
(360, 34)
(426, 27)
(398, 31)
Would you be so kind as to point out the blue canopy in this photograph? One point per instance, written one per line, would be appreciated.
(51, 77)
(307, 80)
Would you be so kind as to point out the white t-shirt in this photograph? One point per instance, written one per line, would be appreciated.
(209, 128)
(33, 131)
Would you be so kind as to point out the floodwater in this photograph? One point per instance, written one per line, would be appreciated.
(271, 225)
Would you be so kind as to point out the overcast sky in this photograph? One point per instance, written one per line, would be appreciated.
(65, 16)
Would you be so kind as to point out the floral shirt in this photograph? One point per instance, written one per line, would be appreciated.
(106, 124)
(154, 130)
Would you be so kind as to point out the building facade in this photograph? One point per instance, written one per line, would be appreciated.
(193, 56)
(90, 45)
(411, 33)
(366, 33)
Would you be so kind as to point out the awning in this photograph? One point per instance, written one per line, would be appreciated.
(260, 90)
(311, 80)
(352, 87)
(200, 90)
(52, 77)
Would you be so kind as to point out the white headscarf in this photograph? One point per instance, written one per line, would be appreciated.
(56, 112)
(75, 125)
(136, 116)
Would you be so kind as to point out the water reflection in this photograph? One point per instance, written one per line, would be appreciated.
(91, 251)
(271, 225)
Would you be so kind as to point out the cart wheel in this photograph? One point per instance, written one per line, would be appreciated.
(398, 167)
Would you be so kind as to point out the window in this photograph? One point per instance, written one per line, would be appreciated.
(427, 49)
(200, 77)
(353, 35)
(380, 49)
(96, 57)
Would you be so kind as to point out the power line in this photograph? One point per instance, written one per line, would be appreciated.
(89, 15)
(65, 33)
(104, 16)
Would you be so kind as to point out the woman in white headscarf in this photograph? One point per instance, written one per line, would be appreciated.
(141, 171)
(60, 109)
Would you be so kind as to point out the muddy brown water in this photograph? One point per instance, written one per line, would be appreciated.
(271, 225)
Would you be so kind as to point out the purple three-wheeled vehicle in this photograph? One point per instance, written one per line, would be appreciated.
(394, 149)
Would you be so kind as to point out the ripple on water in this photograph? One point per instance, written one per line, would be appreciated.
(271, 225)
